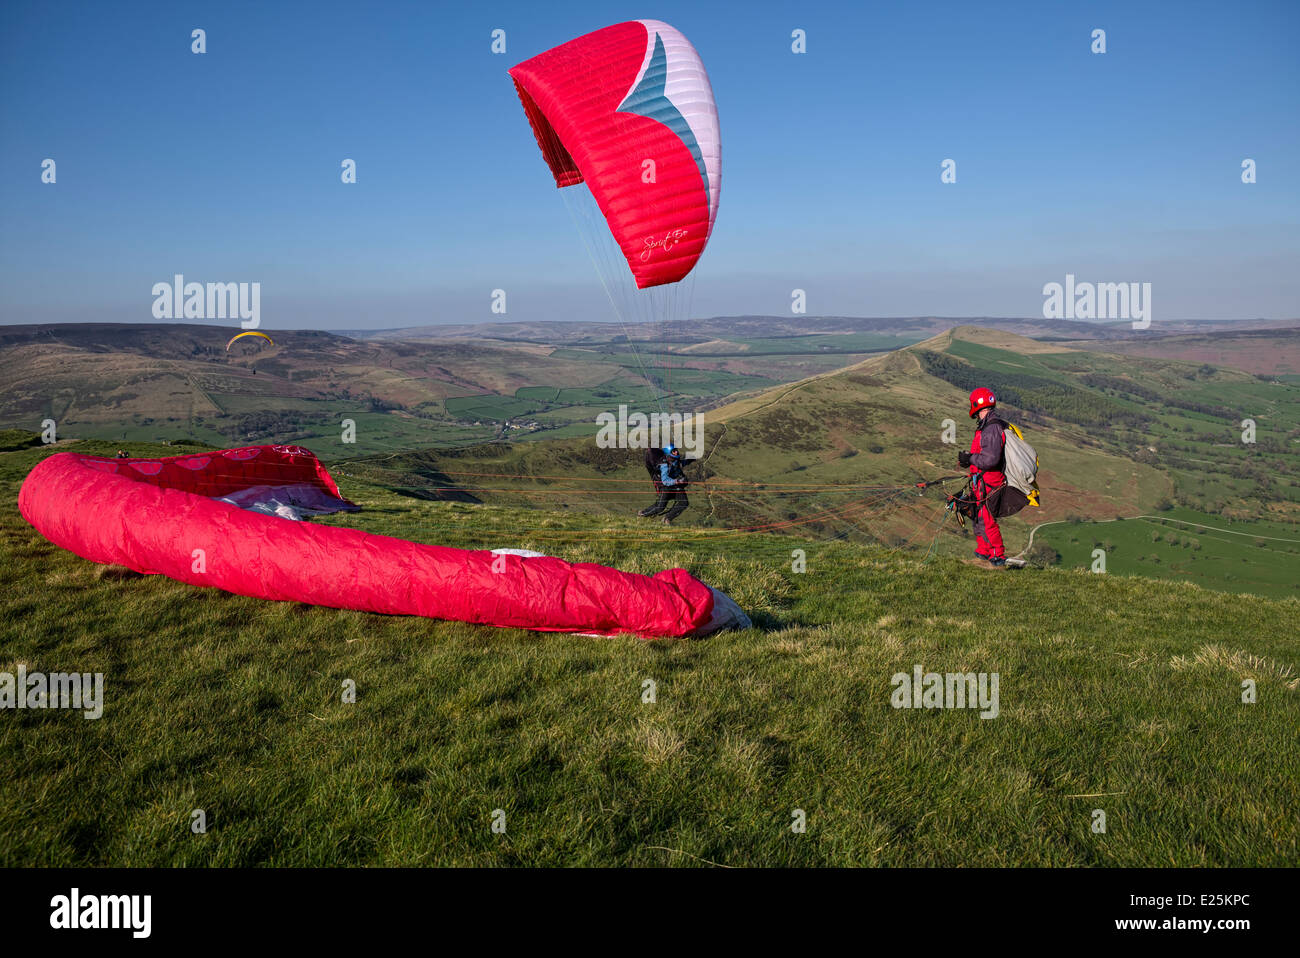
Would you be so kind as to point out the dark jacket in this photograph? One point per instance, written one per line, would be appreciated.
(986, 450)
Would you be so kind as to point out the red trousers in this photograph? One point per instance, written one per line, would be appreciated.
(988, 537)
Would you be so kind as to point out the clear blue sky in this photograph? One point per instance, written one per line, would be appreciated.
(225, 167)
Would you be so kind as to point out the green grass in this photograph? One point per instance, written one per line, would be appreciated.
(621, 389)
(1255, 557)
(1116, 693)
(11, 439)
(675, 387)
(491, 407)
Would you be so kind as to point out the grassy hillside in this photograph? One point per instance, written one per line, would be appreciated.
(1119, 694)
(1257, 557)
(1116, 436)
(1185, 419)
(810, 456)
(172, 382)
(177, 382)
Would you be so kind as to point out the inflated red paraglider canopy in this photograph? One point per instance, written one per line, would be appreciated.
(629, 111)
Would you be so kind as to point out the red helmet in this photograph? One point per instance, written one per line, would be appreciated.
(981, 399)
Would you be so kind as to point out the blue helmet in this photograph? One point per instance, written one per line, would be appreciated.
(671, 450)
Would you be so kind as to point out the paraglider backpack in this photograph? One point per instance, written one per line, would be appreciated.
(1020, 467)
(653, 458)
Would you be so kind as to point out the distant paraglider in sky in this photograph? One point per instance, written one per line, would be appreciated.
(248, 332)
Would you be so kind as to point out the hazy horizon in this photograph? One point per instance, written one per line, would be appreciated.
(509, 320)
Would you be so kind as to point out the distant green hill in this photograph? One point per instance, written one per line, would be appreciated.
(1117, 436)
(177, 381)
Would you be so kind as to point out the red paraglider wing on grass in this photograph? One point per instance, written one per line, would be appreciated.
(160, 516)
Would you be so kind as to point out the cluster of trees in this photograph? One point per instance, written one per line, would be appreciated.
(1173, 540)
(1205, 409)
(1118, 384)
(1035, 394)
(280, 425)
(1044, 555)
